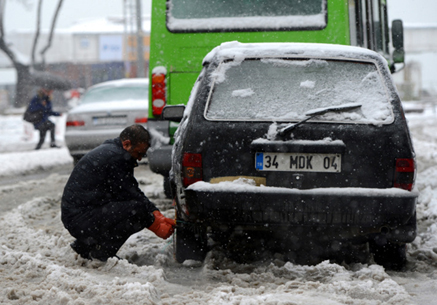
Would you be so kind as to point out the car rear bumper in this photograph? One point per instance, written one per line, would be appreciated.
(358, 211)
(79, 142)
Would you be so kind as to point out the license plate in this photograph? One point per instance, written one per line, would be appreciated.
(298, 162)
(110, 120)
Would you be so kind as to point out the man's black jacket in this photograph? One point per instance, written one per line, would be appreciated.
(105, 174)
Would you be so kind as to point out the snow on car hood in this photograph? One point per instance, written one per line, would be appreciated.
(125, 105)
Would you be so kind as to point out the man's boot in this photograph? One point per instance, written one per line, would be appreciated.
(81, 248)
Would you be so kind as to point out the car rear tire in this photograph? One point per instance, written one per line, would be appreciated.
(391, 256)
(190, 242)
(76, 159)
(167, 187)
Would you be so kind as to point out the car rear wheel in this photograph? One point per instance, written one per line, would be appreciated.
(76, 159)
(167, 187)
(391, 256)
(190, 242)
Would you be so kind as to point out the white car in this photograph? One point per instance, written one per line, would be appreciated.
(103, 112)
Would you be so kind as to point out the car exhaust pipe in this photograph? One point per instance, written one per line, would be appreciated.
(384, 230)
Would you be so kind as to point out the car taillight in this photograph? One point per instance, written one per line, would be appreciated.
(404, 174)
(140, 120)
(158, 90)
(74, 123)
(191, 168)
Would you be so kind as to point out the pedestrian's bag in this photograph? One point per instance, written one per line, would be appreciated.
(33, 117)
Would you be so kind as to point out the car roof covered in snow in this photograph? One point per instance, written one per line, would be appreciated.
(238, 51)
(122, 82)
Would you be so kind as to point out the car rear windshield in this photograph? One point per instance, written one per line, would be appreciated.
(285, 89)
(108, 94)
(231, 15)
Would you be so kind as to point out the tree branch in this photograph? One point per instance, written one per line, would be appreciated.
(2, 10)
(38, 26)
(3, 45)
(52, 28)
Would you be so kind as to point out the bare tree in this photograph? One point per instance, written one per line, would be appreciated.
(38, 27)
(52, 29)
(28, 78)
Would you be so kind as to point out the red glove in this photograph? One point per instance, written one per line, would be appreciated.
(163, 227)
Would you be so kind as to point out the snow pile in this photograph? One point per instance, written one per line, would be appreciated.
(17, 135)
(424, 247)
(27, 162)
(37, 265)
(18, 140)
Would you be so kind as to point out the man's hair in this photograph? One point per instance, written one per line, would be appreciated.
(136, 134)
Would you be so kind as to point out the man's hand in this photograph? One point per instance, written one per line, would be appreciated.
(163, 227)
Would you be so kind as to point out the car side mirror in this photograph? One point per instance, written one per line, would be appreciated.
(173, 113)
(397, 33)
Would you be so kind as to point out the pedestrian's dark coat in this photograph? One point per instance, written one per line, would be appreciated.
(35, 105)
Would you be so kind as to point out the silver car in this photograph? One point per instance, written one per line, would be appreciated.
(103, 112)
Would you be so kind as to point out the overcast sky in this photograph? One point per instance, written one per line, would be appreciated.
(19, 17)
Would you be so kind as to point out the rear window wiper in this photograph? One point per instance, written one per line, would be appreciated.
(316, 112)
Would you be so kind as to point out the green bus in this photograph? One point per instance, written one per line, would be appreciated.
(184, 31)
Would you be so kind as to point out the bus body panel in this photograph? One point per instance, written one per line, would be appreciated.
(183, 52)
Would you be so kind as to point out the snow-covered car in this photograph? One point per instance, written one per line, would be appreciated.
(103, 112)
(305, 144)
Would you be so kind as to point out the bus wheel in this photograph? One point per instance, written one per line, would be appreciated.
(190, 242)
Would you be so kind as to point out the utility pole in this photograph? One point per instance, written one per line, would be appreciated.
(140, 53)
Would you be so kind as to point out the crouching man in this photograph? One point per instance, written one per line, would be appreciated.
(102, 204)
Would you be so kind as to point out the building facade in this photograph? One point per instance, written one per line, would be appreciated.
(86, 53)
(106, 49)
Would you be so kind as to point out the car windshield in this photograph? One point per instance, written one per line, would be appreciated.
(201, 15)
(285, 89)
(109, 94)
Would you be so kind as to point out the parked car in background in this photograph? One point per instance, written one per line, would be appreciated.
(302, 146)
(103, 112)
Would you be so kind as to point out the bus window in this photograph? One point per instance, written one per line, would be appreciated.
(359, 15)
(366, 24)
(377, 26)
(367, 15)
(247, 15)
(381, 25)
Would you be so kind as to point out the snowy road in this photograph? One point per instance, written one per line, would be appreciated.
(37, 265)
